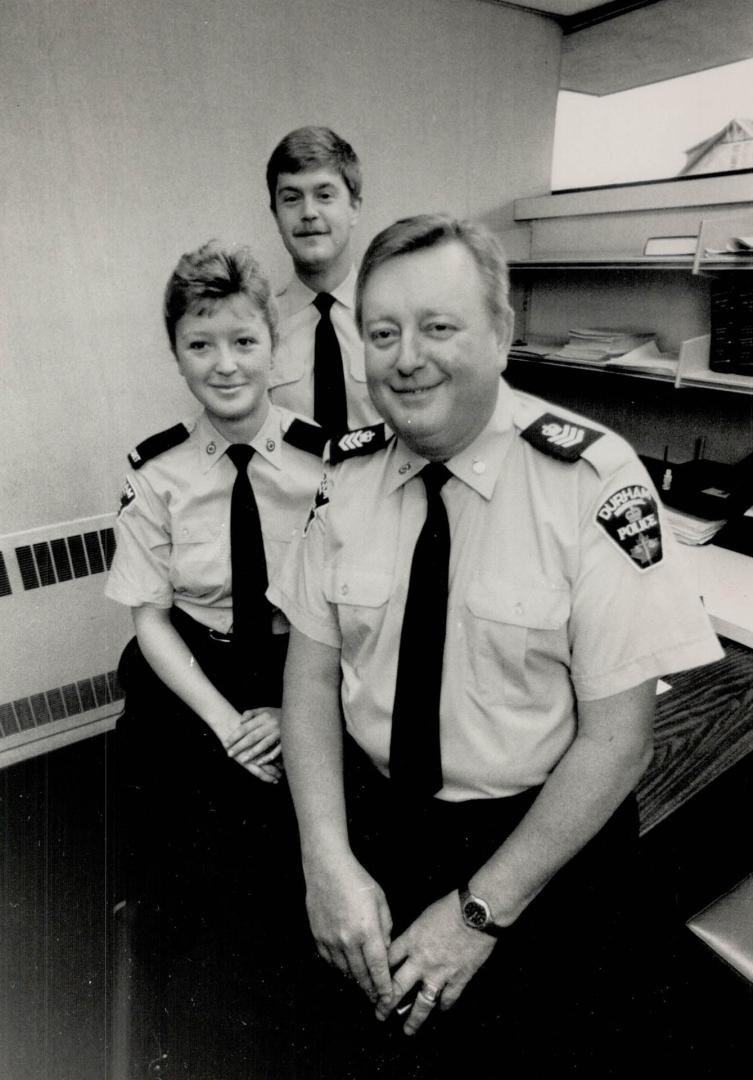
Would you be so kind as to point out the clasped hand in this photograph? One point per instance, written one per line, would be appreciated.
(255, 743)
(435, 958)
(351, 923)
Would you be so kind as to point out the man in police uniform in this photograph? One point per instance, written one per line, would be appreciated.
(314, 183)
(497, 907)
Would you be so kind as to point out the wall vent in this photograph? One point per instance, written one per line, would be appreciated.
(5, 589)
(47, 706)
(64, 558)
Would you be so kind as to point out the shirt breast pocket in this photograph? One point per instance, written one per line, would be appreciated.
(360, 597)
(199, 563)
(513, 629)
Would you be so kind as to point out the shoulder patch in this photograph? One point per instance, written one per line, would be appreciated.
(559, 437)
(158, 444)
(127, 496)
(320, 499)
(365, 440)
(630, 519)
(308, 437)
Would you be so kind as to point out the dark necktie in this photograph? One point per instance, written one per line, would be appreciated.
(330, 407)
(252, 624)
(415, 755)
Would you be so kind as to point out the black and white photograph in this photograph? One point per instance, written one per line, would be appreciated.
(376, 539)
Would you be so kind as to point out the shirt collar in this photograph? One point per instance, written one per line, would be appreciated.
(267, 441)
(298, 296)
(478, 465)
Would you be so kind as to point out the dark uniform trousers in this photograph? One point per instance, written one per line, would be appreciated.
(562, 993)
(209, 859)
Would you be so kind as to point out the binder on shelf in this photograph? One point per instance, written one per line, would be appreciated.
(694, 368)
(731, 348)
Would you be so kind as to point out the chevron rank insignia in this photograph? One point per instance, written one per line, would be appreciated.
(630, 519)
(127, 495)
(363, 440)
(559, 437)
(320, 499)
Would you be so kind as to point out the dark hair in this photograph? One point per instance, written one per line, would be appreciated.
(210, 274)
(314, 148)
(429, 230)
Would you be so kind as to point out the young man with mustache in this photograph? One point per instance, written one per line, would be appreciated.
(314, 182)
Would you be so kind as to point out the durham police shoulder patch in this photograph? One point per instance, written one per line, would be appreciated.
(630, 518)
(560, 437)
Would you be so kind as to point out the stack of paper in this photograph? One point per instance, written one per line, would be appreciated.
(646, 358)
(736, 245)
(596, 346)
(689, 529)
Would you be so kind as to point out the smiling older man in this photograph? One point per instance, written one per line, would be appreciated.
(488, 595)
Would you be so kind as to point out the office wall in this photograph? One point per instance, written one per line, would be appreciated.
(134, 130)
(138, 129)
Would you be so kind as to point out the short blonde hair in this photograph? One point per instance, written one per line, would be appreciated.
(213, 273)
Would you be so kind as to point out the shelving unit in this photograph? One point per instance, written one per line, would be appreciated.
(666, 294)
(610, 282)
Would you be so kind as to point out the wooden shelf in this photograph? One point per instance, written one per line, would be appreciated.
(597, 369)
(709, 380)
(580, 261)
(723, 264)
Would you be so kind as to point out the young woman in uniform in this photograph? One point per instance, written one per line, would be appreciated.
(208, 832)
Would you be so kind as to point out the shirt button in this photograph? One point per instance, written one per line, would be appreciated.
(271, 444)
(518, 608)
(404, 468)
(479, 467)
(344, 590)
(211, 447)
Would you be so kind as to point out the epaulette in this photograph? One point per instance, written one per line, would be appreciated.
(365, 440)
(158, 444)
(308, 437)
(559, 437)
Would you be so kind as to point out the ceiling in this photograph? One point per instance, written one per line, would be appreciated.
(614, 46)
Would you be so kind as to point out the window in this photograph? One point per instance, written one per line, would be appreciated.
(693, 125)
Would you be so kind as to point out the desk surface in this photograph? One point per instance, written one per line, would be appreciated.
(704, 724)
(725, 581)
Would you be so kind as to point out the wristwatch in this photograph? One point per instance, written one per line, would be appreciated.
(477, 914)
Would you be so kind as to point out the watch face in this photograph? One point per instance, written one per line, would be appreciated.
(475, 913)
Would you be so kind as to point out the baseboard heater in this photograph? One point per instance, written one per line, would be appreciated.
(61, 638)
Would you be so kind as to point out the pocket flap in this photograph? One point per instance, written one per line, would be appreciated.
(361, 588)
(196, 532)
(537, 605)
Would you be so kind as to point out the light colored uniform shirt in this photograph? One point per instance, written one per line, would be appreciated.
(292, 381)
(545, 608)
(173, 529)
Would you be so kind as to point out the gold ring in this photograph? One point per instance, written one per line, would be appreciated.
(429, 993)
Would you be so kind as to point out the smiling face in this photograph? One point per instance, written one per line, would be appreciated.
(224, 353)
(316, 216)
(434, 354)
